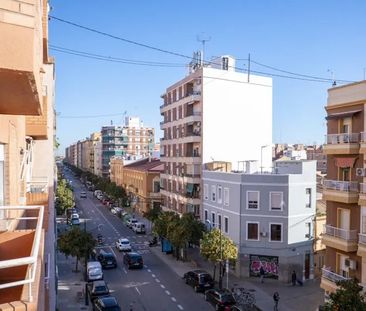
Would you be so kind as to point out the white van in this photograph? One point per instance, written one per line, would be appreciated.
(94, 271)
(96, 192)
(138, 227)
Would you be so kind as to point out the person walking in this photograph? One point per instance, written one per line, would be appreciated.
(261, 273)
(276, 299)
(293, 278)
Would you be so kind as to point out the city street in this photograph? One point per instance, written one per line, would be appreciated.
(156, 286)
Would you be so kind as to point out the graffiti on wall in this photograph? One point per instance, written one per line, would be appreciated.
(269, 264)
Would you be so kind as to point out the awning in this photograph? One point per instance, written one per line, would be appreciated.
(345, 114)
(345, 162)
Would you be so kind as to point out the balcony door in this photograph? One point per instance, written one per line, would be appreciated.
(343, 218)
(342, 269)
(345, 126)
(345, 174)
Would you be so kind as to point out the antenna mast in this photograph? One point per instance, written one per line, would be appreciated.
(203, 38)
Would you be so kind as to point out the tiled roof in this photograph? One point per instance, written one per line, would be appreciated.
(154, 165)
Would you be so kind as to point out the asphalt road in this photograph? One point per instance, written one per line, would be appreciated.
(156, 286)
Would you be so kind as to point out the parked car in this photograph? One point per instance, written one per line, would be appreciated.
(133, 260)
(138, 227)
(130, 222)
(116, 210)
(97, 289)
(96, 192)
(75, 222)
(107, 260)
(70, 211)
(94, 271)
(100, 196)
(123, 245)
(220, 298)
(83, 195)
(107, 303)
(200, 280)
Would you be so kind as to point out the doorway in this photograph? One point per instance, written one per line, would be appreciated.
(307, 266)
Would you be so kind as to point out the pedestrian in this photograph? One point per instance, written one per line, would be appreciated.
(261, 273)
(276, 299)
(293, 278)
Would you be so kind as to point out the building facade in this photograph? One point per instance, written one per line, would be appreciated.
(344, 189)
(94, 138)
(27, 169)
(268, 216)
(203, 114)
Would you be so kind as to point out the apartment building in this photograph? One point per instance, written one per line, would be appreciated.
(215, 113)
(344, 189)
(316, 153)
(94, 139)
(141, 179)
(98, 153)
(27, 170)
(269, 216)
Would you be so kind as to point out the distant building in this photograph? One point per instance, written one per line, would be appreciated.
(316, 153)
(268, 216)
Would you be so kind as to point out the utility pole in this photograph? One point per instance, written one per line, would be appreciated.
(248, 67)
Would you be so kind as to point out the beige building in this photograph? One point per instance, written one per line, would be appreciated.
(141, 179)
(344, 187)
(27, 129)
(94, 139)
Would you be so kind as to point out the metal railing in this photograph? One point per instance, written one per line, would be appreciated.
(342, 138)
(332, 276)
(348, 235)
(363, 188)
(38, 185)
(348, 186)
(31, 260)
(362, 238)
(363, 137)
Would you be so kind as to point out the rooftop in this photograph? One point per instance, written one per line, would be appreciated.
(147, 164)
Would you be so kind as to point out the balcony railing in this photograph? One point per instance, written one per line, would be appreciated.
(343, 138)
(363, 188)
(332, 276)
(348, 186)
(193, 113)
(362, 238)
(38, 185)
(363, 137)
(9, 223)
(348, 235)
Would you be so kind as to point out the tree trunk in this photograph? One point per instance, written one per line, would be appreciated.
(214, 272)
(76, 265)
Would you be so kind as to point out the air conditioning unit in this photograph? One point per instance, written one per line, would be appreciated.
(352, 264)
(360, 172)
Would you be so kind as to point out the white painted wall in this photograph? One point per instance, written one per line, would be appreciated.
(237, 117)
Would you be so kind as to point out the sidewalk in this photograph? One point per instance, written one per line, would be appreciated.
(304, 298)
(71, 285)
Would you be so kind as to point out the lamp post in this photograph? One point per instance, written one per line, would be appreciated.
(262, 147)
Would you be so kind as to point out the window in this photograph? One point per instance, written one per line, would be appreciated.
(308, 230)
(219, 220)
(219, 194)
(226, 196)
(226, 224)
(213, 193)
(205, 191)
(308, 197)
(275, 232)
(253, 199)
(276, 199)
(206, 214)
(213, 219)
(252, 231)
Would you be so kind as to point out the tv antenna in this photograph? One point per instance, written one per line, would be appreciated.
(333, 77)
(203, 38)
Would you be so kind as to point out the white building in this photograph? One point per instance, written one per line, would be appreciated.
(268, 216)
(215, 113)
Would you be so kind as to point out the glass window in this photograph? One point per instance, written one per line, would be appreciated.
(252, 231)
(276, 232)
(219, 221)
(219, 194)
(253, 199)
(206, 214)
(276, 199)
(308, 230)
(213, 193)
(213, 219)
(308, 197)
(205, 191)
(226, 196)
(226, 224)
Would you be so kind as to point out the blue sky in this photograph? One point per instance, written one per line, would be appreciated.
(307, 37)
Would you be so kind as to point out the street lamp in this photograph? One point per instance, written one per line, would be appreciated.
(209, 227)
(262, 147)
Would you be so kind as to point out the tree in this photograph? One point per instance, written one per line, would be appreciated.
(76, 243)
(162, 222)
(348, 297)
(153, 213)
(64, 197)
(193, 227)
(217, 248)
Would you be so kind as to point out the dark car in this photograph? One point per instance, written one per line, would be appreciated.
(220, 298)
(133, 260)
(200, 280)
(97, 289)
(107, 260)
(107, 303)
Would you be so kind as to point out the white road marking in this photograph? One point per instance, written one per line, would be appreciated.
(162, 286)
(153, 275)
(173, 299)
(138, 291)
(180, 307)
(167, 292)
(145, 266)
(157, 280)
(148, 270)
(124, 270)
(113, 252)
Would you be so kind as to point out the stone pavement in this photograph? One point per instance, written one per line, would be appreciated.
(71, 285)
(292, 298)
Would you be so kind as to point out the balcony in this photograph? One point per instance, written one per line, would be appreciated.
(338, 238)
(154, 195)
(21, 252)
(361, 251)
(343, 143)
(340, 191)
(329, 280)
(37, 126)
(363, 142)
(21, 57)
(362, 195)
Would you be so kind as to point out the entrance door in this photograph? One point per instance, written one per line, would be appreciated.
(307, 266)
(343, 218)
